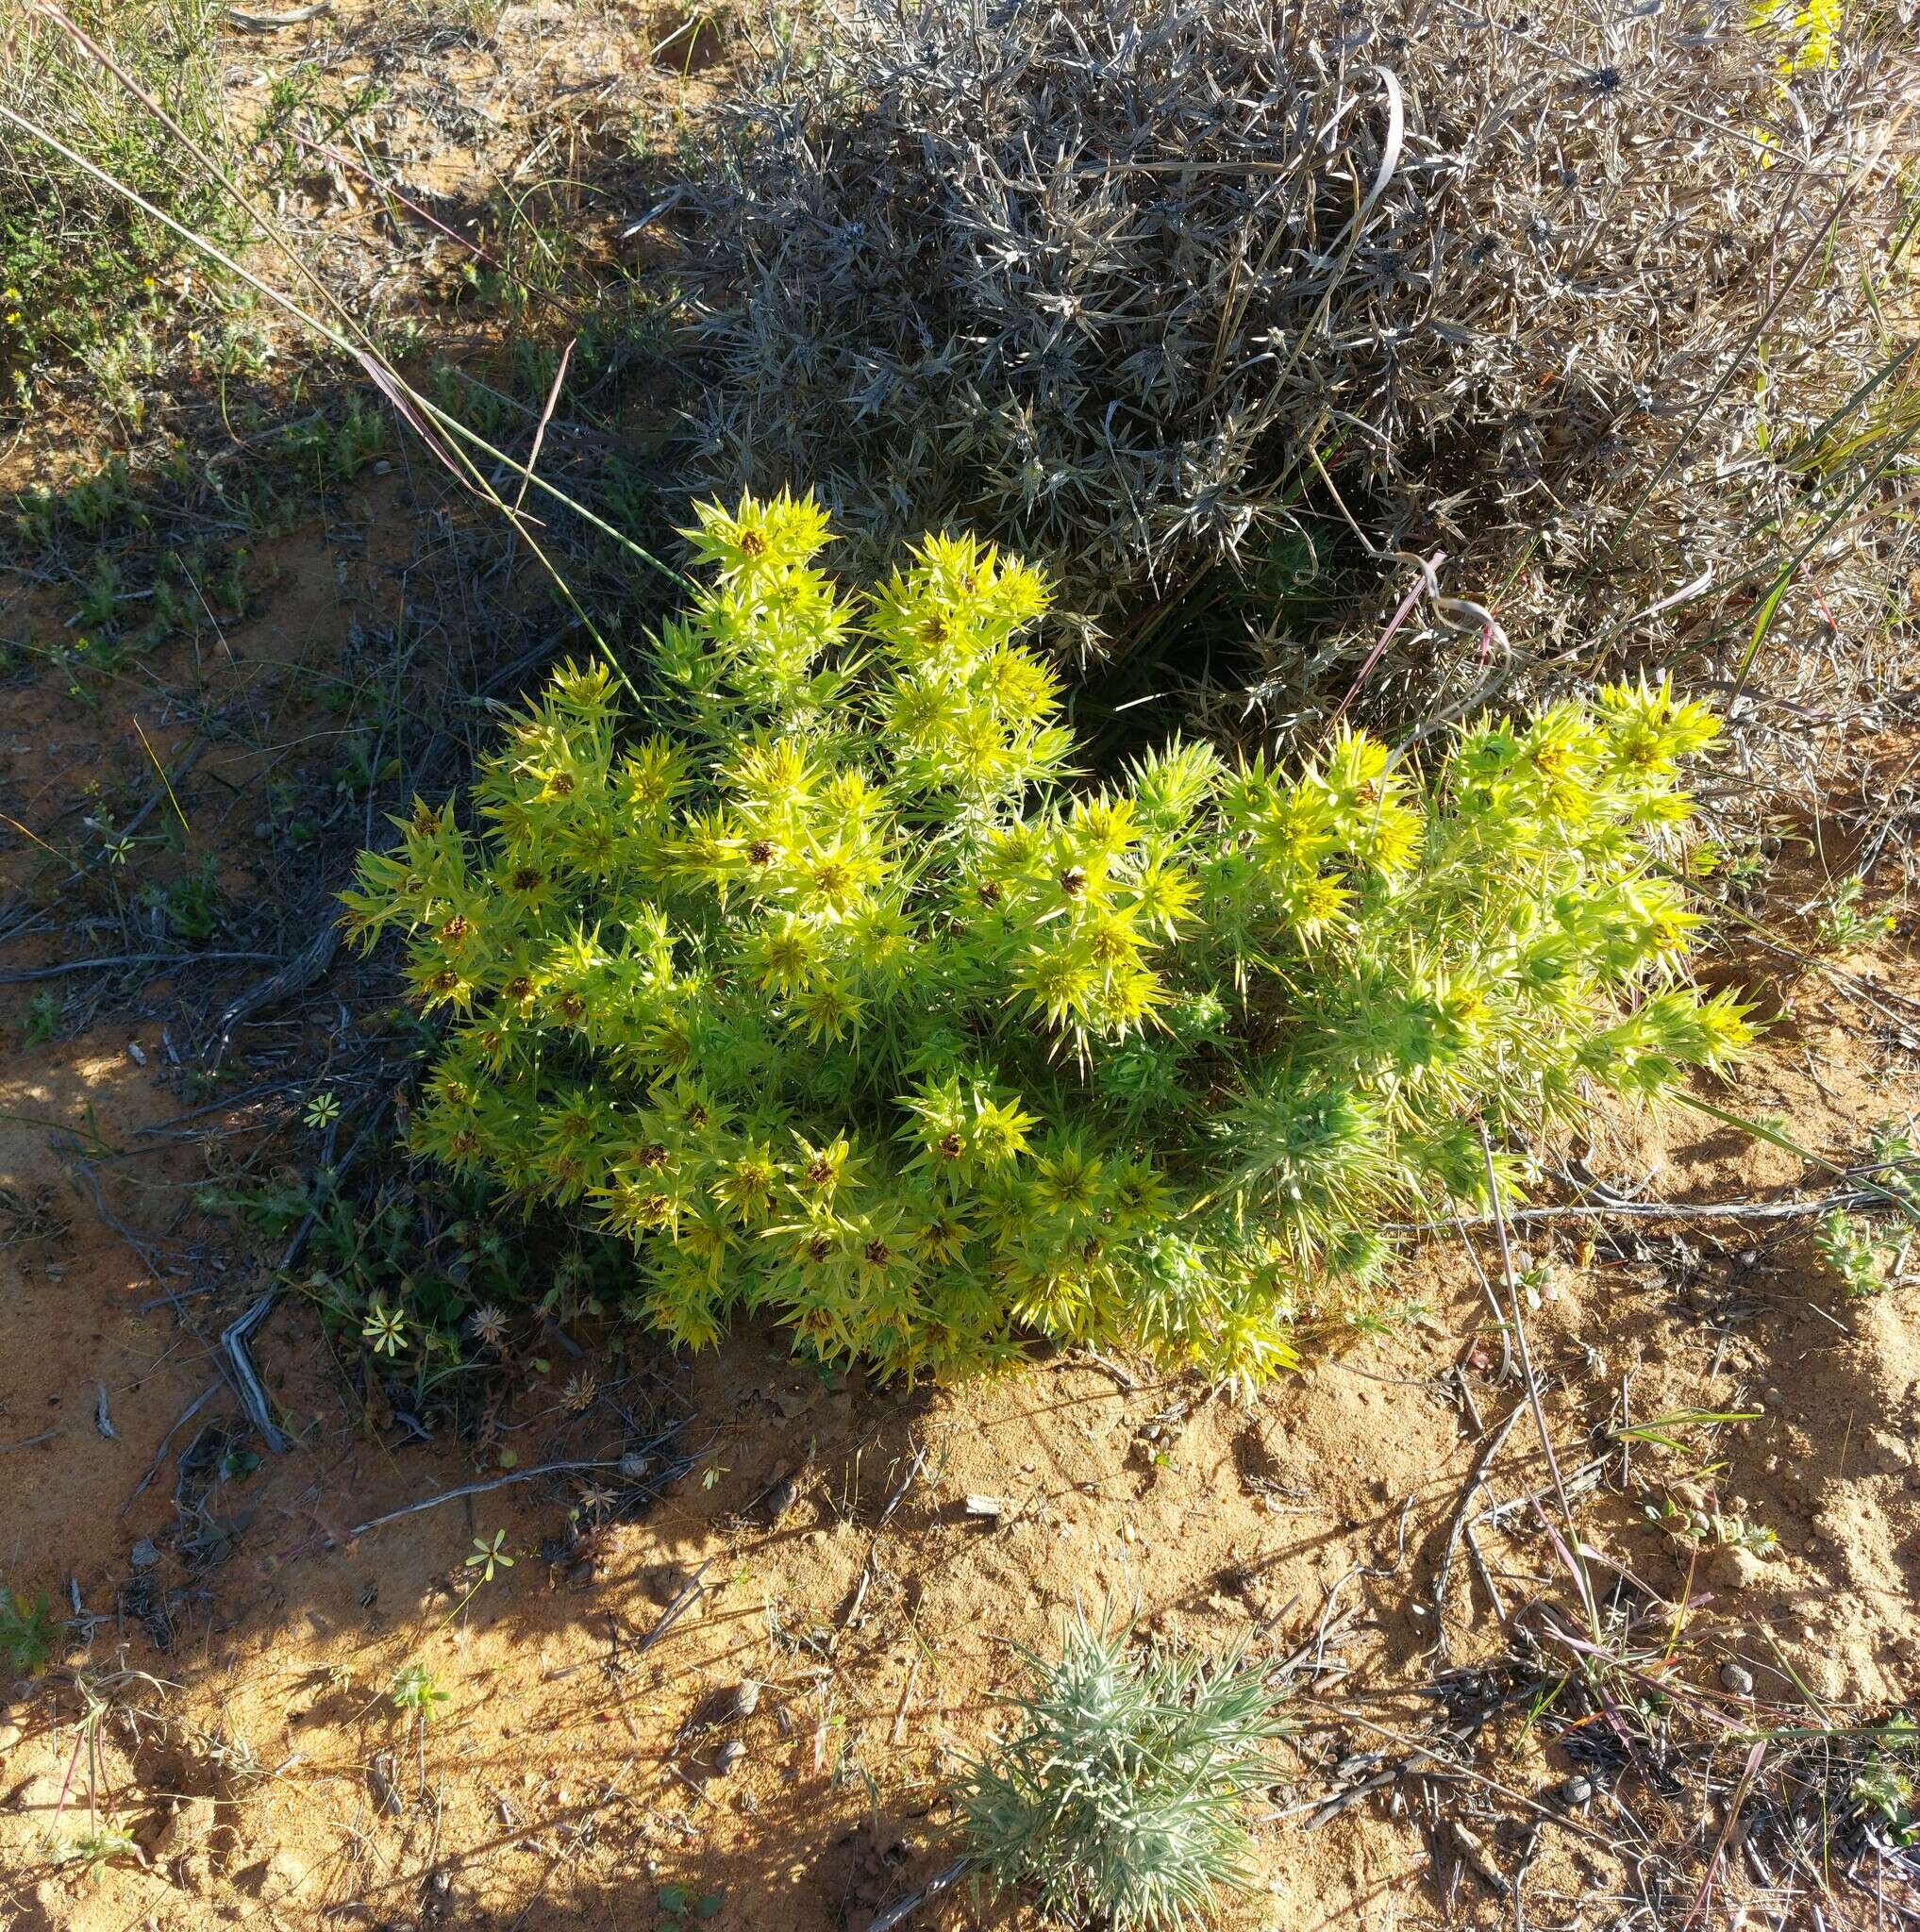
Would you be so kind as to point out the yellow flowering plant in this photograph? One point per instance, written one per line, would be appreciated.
(838, 993)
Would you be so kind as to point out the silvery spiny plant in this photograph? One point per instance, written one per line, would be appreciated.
(850, 1003)
(1116, 1798)
(1131, 285)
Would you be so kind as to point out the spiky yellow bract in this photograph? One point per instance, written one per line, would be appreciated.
(842, 998)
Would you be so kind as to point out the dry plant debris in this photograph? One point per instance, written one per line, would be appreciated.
(1573, 303)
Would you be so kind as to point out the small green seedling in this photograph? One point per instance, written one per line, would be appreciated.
(484, 1559)
(1851, 1252)
(1896, 1162)
(29, 1634)
(97, 1850)
(679, 1902)
(1842, 928)
(1710, 1529)
(414, 1691)
(1668, 1430)
(1117, 1794)
(1886, 1790)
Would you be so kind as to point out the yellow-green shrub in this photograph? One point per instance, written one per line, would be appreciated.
(845, 1002)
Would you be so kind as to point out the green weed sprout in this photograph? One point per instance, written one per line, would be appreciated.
(1118, 1794)
(1842, 928)
(1867, 1257)
(96, 1849)
(1885, 1790)
(29, 1634)
(1851, 1252)
(1896, 1165)
(414, 1691)
(847, 1000)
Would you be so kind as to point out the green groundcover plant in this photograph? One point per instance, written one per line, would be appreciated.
(77, 263)
(849, 1002)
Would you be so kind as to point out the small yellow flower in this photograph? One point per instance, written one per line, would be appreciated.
(384, 1330)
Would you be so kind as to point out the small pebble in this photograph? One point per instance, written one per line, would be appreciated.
(1576, 1790)
(1737, 1678)
(144, 1555)
(991, 1507)
(730, 1755)
(746, 1697)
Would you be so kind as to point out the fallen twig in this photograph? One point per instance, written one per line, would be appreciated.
(899, 1729)
(1610, 1207)
(899, 1913)
(1456, 1526)
(899, 1495)
(186, 1415)
(309, 964)
(1332, 1807)
(1483, 1571)
(866, 1575)
(157, 962)
(1348, 1715)
(1533, 1401)
(1585, 1477)
(498, 1482)
(237, 1354)
(1092, 1358)
(670, 1615)
(270, 23)
(1478, 1859)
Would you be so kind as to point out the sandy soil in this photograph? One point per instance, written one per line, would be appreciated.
(739, 1555)
(575, 1774)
